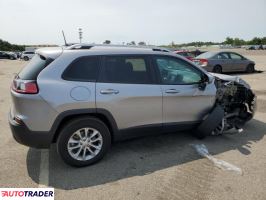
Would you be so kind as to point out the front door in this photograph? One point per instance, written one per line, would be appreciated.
(239, 64)
(183, 101)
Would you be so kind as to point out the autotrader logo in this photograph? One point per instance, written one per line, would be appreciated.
(27, 193)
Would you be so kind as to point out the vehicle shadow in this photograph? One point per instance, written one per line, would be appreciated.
(141, 156)
(244, 73)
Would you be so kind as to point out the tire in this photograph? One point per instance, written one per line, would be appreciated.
(250, 68)
(26, 58)
(71, 130)
(217, 69)
(206, 127)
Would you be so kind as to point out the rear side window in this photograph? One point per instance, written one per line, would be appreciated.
(126, 69)
(222, 56)
(82, 69)
(34, 67)
(235, 56)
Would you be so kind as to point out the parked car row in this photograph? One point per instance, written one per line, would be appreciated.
(256, 47)
(25, 55)
(7, 55)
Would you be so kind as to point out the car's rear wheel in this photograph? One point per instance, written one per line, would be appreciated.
(250, 68)
(217, 69)
(26, 58)
(83, 141)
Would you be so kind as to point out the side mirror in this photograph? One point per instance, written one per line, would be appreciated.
(202, 85)
(204, 81)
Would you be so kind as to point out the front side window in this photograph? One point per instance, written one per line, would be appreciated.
(174, 71)
(126, 69)
(82, 69)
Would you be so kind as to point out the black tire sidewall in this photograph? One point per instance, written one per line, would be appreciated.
(26, 58)
(217, 71)
(73, 126)
(250, 68)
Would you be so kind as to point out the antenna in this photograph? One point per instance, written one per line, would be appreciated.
(64, 38)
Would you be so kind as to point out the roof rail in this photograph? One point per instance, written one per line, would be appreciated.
(89, 46)
(161, 49)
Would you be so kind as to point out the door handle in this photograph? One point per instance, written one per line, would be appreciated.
(109, 91)
(172, 91)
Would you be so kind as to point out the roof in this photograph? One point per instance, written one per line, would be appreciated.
(110, 47)
(99, 49)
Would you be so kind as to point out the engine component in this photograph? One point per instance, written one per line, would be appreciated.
(235, 105)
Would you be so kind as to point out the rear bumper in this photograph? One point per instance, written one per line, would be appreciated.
(24, 136)
(208, 68)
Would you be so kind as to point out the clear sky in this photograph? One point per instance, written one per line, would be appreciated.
(153, 21)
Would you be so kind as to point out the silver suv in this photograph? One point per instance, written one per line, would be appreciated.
(85, 97)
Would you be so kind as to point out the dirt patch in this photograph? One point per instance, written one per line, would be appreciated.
(261, 105)
(260, 92)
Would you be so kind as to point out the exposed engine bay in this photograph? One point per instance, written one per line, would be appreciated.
(235, 105)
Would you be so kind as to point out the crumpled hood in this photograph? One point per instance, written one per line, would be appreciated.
(226, 77)
(231, 78)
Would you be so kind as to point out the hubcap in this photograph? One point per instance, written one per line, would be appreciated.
(85, 144)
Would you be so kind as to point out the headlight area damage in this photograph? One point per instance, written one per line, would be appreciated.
(235, 105)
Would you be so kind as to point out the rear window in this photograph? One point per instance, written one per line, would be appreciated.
(206, 55)
(82, 69)
(34, 67)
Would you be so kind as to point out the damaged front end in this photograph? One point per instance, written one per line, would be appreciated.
(235, 105)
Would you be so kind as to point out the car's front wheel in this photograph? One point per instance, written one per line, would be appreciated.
(83, 141)
(250, 68)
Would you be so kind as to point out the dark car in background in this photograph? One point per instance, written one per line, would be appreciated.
(223, 61)
(5, 55)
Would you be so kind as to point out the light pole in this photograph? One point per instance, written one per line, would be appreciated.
(80, 35)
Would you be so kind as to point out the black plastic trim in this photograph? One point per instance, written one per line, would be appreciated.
(36, 139)
(24, 136)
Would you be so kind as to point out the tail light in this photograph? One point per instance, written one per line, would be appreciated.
(190, 58)
(203, 62)
(24, 86)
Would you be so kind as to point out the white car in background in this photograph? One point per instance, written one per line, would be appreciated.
(27, 55)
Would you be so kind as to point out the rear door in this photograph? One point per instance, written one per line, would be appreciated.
(225, 61)
(126, 88)
(183, 102)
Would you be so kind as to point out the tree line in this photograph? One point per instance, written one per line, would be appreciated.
(6, 46)
(240, 42)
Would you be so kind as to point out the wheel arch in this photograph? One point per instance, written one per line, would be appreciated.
(102, 114)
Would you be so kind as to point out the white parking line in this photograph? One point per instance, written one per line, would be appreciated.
(44, 169)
